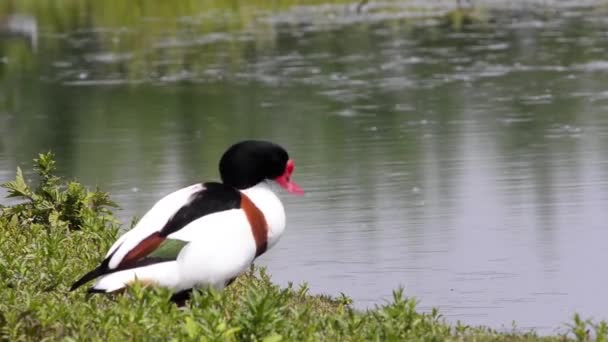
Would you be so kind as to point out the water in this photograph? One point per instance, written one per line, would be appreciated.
(467, 166)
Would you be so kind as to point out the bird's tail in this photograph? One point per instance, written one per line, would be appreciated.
(99, 271)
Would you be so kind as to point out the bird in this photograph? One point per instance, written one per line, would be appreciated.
(206, 234)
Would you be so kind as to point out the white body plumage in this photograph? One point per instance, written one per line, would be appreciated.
(221, 245)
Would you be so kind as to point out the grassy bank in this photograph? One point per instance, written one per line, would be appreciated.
(61, 229)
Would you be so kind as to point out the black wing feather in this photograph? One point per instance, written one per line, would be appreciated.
(94, 273)
(213, 198)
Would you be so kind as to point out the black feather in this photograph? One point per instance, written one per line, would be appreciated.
(180, 298)
(100, 270)
(93, 290)
(213, 198)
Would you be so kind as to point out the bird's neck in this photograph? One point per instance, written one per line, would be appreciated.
(265, 198)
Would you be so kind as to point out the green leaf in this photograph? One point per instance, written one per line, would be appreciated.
(228, 333)
(45, 164)
(18, 187)
(191, 327)
(274, 337)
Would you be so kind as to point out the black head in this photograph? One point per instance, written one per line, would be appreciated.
(249, 162)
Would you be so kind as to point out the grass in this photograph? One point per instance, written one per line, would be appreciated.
(61, 229)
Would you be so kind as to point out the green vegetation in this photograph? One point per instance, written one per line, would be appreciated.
(61, 229)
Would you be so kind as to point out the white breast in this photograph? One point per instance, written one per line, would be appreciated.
(263, 196)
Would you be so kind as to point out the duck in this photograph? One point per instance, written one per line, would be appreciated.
(206, 234)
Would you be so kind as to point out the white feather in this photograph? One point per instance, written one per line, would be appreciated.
(223, 248)
(163, 274)
(265, 198)
(154, 220)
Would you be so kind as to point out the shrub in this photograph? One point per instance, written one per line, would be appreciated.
(55, 202)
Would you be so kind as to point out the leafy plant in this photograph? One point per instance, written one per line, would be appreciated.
(54, 201)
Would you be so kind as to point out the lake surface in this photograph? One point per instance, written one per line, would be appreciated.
(467, 165)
